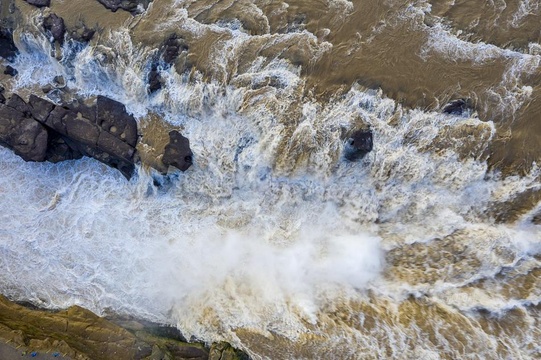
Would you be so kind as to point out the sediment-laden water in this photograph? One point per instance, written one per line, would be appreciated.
(429, 247)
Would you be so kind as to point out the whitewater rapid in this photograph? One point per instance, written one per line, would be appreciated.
(272, 231)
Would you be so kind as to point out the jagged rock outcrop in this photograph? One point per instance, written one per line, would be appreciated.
(177, 152)
(8, 50)
(133, 6)
(358, 145)
(39, 3)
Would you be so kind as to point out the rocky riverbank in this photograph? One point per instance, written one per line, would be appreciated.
(77, 333)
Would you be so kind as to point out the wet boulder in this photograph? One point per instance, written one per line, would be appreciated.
(55, 25)
(155, 80)
(458, 107)
(358, 145)
(8, 50)
(11, 71)
(39, 3)
(177, 152)
(132, 6)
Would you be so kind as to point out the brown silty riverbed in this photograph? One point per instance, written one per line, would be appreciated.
(423, 54)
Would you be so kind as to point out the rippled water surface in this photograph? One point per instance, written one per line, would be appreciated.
(428, 248)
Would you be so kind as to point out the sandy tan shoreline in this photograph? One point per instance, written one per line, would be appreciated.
(9, 351)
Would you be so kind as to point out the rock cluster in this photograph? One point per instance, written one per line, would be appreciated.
(40, 130)
(43, 131)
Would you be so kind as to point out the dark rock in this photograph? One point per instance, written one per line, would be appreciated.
(113, 118)
(41, 130)
(8, 50)
(55, 120)
(55, 25)
(25, 136)
(133, 6)
(2, 99)
(39, 3)
(58, 150)
(81, 129)
(17, 103)
(177, 152)
(59, 81)
(358, 145)
(47, 88)
(11, 71)
(458, 107)
(111, 145)
(40, 108)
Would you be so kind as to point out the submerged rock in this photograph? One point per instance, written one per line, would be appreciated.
(178, 152)
(358, 145)
(82, 33)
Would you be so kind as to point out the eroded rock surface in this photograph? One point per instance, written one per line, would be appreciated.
(80, 334)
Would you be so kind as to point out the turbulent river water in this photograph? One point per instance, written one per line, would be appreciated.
(428, 248)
